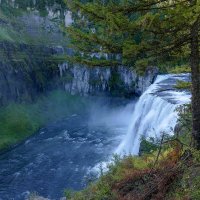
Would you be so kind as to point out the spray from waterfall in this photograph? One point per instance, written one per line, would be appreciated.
(154, 113)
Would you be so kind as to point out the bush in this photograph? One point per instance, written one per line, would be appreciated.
(183, 85)
(18, 121)
(141, 66)
(148, 146)
(179, 69)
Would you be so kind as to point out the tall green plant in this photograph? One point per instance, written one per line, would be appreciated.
(146, 31)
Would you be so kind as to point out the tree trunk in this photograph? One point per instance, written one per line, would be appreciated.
(195, 67)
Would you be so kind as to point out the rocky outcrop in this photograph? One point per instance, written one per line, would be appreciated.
(30, 35)
(27, 68)
(25, 71)
(117, 81)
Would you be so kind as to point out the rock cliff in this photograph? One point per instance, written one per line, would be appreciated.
(30, 36)
(117, 81)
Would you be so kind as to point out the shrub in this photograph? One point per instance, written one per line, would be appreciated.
(183, 85)
(179, 69)
(18, 121)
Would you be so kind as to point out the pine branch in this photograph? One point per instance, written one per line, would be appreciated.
(155, 5)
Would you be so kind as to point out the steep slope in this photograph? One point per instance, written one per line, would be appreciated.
(27, 40)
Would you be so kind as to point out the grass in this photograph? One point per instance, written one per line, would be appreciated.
(169, 178)
(19, 121)
(5, 35)
(172, 173)
(126, 177)
(183, 85)
(13, 29)
(179, 69)
(16, 123)
(8, 31)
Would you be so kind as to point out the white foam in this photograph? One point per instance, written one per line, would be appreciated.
(152, 116)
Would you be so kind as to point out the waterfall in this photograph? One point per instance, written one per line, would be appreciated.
(155, 112)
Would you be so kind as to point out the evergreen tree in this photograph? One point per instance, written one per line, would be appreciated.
(139, 33)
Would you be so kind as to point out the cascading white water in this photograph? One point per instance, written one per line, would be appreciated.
(154, 113)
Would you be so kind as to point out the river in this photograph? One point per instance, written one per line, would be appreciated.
(66, 153)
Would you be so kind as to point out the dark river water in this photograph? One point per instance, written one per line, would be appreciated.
(65, 153)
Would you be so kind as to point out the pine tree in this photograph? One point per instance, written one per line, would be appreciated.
(139, 33)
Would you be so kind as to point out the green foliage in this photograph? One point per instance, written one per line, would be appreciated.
(148, 146)
(98, 192)
(40, 5)
(69, 193)
(139, 31)
(125, 172)
(18, 121)
(116, 84)
(133, 173)
(141, 66)
(184, 120)
(179, 69)
(183, 85)
(33, 196)
(102, 189)
(17, 30)
(187, 185)
(195, 190)
(5, 35)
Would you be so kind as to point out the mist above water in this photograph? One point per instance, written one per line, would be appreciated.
(108, 114)
(63, 154)
(155, 112)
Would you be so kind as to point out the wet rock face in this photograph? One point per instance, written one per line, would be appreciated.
(28, 70)
(115, 81)
(25, 71)
(145, 81)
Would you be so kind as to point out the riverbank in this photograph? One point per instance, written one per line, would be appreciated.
(169, 170)
(18, 121)
(65, 153)
(175, 175)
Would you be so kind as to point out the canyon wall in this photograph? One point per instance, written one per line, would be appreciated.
(31, 37)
